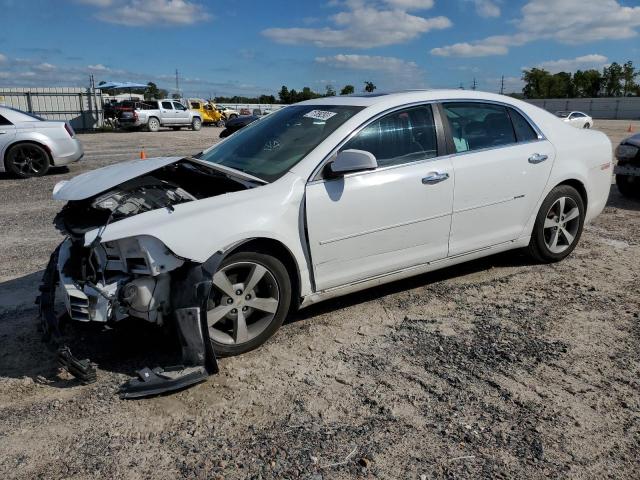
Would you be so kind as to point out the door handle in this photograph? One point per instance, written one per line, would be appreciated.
(2, 132)
(434, 177)
(537, 158)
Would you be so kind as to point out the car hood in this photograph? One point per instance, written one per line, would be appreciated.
(97, 181)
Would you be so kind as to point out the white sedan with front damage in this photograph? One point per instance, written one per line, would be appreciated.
(321, 199)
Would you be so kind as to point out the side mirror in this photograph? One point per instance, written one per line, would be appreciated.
(349, 161)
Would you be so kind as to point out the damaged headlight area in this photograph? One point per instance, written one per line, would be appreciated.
(114, 280)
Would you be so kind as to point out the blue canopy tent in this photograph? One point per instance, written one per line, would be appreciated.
(122, 85)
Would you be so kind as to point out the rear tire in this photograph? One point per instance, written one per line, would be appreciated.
(255, 286)
(153, 125)
(628, 185)
(232, 116)
(27, 160)
(196, 124)
(558, 226)
(587, 125)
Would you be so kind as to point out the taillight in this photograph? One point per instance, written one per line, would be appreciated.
(69, 129)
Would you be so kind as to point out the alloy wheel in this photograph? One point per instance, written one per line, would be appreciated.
(30, 160)
(243, 302)
(561, 224)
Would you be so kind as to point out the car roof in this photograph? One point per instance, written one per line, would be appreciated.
(407, 96)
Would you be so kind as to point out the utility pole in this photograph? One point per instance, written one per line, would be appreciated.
(475, 84)
(177, 83)
(502, 85)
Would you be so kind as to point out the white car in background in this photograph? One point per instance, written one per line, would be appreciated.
(30, 145)
(576, 119)
(320, 199)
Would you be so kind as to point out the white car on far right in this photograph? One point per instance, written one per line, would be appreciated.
(576, 119)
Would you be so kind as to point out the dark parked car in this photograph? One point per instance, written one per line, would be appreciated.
(628, 169)
(236, 124)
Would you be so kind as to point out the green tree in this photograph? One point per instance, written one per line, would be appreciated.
(347, 90)
(329, 91)
(613, 76)
(284, 95)
(587, 84)
(629, 75)
(560, 86)
(369, 87)
(153, 92)
(536, 82)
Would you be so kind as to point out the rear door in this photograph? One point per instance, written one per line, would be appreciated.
(168, 113)
(502, 165)
(7, 133)
(371, 223)
(181, 113)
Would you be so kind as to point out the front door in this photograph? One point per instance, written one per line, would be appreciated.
(397, 216)
(502, 166)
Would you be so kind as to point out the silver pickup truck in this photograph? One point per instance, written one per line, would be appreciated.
(154, 114)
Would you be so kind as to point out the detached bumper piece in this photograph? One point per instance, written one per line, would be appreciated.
(157, 381)
(81, 369)
(192, 286)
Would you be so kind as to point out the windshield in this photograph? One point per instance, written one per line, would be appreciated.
(269, 147)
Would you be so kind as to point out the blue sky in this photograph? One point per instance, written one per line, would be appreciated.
(224, 47)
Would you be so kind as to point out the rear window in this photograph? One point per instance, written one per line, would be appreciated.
(524, 131)
(167, 105)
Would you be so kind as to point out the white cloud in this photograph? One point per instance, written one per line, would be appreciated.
(411, 4)
(487, 8)
(44, 67)
(364, 26)
(391, 72)
(367, 62)
(584, 62)
(98, 68)
(133, 13)
(96, 3)
(470, 50)
(566, 21)
(3, 58)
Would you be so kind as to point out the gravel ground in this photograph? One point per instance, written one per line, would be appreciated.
(498, 368)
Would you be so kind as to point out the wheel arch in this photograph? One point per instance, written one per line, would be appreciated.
(579, 186)
(280, 251)
(21, 142)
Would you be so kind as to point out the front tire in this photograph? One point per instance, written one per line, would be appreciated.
(587, 125)
(249, 300)
(196, 124)
(558, 226)
(628, 185)
(27, 160)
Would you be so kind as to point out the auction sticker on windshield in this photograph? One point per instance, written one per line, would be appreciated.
(320, 114)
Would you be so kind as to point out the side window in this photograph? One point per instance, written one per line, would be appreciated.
(179, 106)
(195, 105)
(479, 125)
(524, 131)
(167, 105)
(401, 137)
(4, 121)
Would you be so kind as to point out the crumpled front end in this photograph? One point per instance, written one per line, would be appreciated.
(115, 280)
(135, 276)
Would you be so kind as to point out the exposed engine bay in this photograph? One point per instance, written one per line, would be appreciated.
(108, 282)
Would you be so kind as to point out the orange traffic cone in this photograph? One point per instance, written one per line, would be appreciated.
(143, 156)
(630, 129)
